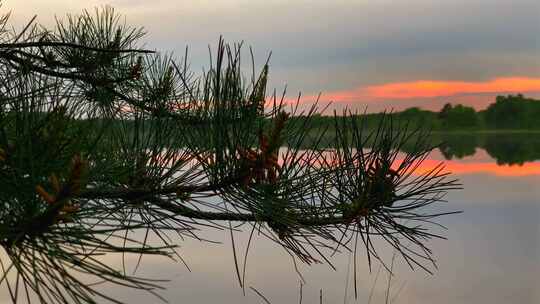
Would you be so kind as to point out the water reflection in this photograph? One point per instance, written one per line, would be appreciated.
(492, 255)
(480, 163)
(505, 148)
(509, 148)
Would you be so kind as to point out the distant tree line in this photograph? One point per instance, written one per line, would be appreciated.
(511, 112)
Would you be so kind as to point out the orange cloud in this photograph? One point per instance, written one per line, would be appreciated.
(428, 94)
(430, 88)
(434, 88)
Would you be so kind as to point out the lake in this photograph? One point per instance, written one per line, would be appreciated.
(492, 254)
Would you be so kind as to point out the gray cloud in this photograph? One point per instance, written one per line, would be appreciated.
(336, 45)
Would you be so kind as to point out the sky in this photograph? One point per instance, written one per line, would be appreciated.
(358, 54)
(374, 54)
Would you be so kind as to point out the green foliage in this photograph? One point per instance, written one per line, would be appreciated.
(458, 117)
(513, 112)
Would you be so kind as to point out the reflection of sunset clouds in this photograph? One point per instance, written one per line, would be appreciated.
(479, 163)
(491, 168)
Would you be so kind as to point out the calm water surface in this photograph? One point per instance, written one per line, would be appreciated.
(492, 254)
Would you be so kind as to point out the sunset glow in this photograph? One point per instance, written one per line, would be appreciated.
(432, 88)
(407, 94)
(429, 88)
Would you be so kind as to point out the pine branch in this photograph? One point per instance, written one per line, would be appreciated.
(100, 139)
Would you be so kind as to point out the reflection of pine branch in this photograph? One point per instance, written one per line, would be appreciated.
(91, 154)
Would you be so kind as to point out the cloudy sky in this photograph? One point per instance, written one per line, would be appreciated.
(357, 53)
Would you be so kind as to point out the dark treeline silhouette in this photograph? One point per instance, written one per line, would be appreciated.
(512, 112)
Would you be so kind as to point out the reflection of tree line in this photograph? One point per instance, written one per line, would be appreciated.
(505, 148)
